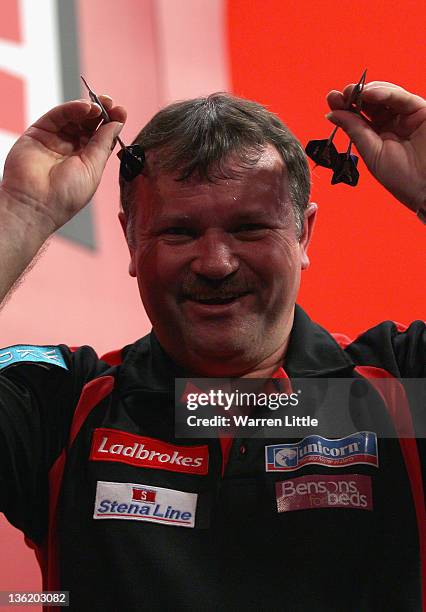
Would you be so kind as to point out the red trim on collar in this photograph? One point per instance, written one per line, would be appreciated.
(280, 373)
(94, 392)
(342, 340)
(113, 358)
(225, 445)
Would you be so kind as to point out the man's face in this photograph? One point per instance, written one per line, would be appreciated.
(218, 264)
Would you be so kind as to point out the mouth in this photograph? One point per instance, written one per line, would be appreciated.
(215, 300)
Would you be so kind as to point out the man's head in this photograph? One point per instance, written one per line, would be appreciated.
(216, 230)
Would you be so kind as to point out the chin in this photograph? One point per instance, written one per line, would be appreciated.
(220, 358)
(220, 343)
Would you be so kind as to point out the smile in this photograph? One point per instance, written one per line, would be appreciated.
(209, 300)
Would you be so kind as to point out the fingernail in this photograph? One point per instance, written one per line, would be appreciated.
(332, 118)
(119, 127)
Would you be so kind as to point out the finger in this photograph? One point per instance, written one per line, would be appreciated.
(70, 112)
(335, 100)
(93, 122)
(377, 114)
(107, 101)
(100, 146)
(396, 99)
(364, 137)
(338, 98)
(382, 102)
(118, 113)
(349, 88)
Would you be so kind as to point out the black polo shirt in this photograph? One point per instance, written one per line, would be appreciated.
(127, 517)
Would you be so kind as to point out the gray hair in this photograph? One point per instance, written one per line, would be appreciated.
(197, 136)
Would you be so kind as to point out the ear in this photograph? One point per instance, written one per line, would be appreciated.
(123, 222)
(308, 227)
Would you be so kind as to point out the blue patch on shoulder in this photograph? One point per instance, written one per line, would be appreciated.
(21, 353)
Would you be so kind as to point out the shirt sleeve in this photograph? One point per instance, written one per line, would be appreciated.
(39, 390)
(401, 351)
(398, 349)
(410, 349)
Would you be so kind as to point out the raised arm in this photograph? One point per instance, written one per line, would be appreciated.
(393, 140)
(50, 174)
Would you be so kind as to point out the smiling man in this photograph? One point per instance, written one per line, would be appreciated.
(218, 224)
(218, 233)
(218, 264)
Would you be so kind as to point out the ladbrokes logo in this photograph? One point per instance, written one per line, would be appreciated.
(115, 445)
(321, 491)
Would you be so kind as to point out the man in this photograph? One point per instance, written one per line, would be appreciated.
(123, 514)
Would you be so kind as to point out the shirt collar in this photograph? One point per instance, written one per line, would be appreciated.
(311, 351)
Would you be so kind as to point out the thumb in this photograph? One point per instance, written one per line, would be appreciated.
(364, 137)
(101, 144)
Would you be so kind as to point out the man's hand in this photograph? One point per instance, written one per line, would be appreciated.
(55, 167)
(393, 140)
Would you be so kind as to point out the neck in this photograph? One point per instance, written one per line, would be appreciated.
(264, 368)
(268, 367)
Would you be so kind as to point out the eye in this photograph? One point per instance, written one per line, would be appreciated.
(251, 230)
(177, 234)
(180, 231)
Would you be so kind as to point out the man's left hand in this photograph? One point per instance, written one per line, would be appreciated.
(392, 142)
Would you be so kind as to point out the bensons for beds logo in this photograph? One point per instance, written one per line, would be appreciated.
(141, 451)
(139, 502)
(323, 491)
(359, 447)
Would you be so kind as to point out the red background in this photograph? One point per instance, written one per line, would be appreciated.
(368, 252)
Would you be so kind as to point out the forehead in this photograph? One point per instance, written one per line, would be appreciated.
(263, 183)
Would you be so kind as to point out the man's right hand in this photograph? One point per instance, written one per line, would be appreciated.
(55, 167)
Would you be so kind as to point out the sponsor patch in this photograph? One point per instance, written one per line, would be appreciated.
(321, 491)
(139, 502)
(140, 451)
(21, 353)
(359, 447)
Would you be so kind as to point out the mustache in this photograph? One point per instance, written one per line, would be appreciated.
(209, 288)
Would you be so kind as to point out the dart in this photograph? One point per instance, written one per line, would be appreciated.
(131, 157)
(132, 160)
(345, 170)
(324, 153)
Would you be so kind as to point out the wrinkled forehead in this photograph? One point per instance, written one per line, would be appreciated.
(258, 171)
(266, 156)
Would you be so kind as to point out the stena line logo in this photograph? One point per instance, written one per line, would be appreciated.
(141, 451)
(358, 448)
(138, 502)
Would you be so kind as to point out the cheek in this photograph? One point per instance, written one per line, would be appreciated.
(157, 272)
(278, 264)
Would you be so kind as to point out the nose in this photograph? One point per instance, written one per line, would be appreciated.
(214, 257)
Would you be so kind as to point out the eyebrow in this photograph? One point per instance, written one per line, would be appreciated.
(173, 219)
(244, 215)
(251, 214)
